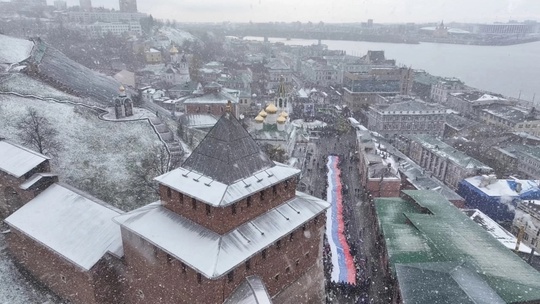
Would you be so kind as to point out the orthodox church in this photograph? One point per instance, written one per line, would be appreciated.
(272, 125)
(177, 71)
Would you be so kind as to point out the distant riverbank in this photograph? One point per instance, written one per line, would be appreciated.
(507, 70)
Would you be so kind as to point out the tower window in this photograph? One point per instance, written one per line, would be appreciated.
(278, 244)
(169, 259)
(248, 201)
(169, 193)
(274, 189)
(180, 198)
(264, 254)
(233, 208)
(230, 276)
(288, 269)
(291, 237)
(276, 277)
(248, 264)
(199, 278)
(194, 203)
(262, 195)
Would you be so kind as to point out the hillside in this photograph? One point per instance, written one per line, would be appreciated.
(95, 153)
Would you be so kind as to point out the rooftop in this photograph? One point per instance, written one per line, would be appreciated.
(228, 153)
(409, 107)
(17, 160)
(426, 228)
(459, 122)
(510, 113)
(444, 150)
(72, 223)
(212, 254)
(219, 97)
(497, 231)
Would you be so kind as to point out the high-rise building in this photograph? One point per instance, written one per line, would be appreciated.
(129, 6)
(60, 5)
(86, 5)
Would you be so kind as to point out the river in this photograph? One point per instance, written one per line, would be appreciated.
(507, 70)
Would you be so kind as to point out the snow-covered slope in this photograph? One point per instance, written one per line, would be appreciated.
(175, 35)
(14, 50)
(95, 153)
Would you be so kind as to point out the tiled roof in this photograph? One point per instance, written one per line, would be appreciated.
(228, 153)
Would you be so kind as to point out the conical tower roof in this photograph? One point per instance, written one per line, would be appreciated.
(228, 153)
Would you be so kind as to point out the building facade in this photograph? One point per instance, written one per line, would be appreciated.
(440, 90)
(378, 172)
(526, 223)
(472, 102)
(362, 89)
(441, 160)
(406, 117)
(23, 175)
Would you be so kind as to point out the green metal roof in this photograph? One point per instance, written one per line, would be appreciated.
(426, 228)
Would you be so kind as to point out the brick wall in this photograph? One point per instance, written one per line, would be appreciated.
(224, 219)
(384, 188)
(155, 277)
(11, 196)
(61, 276)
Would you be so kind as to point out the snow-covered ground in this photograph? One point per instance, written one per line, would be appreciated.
(14, 50)
(26, 85)
(16, 288)
(95, 153)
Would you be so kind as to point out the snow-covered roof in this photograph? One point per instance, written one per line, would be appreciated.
(212, 254)
(252, 290)
(14, 50)
(200, 120)
(497, 231)
(212, 98)
(72, 223)
(219, 194)
(16, 160)
(34, 179)
(503, 187)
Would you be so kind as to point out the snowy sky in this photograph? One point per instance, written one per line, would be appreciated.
(383, 11)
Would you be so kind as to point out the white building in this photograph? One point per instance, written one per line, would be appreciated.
(406, 117)
(99, 29)
(440, 90)
(319, 72)
(90, 17)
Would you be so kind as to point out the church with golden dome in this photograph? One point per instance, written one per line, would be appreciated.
(272, 125)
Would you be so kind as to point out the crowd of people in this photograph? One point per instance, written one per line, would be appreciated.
(358, 292)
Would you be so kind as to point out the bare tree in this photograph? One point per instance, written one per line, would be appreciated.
(36, 131)
(143, 170)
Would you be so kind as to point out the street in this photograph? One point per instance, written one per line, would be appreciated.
(357, 213)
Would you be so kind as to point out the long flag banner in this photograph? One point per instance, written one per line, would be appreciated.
(343, 269)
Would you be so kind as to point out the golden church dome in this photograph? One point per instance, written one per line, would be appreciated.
(281, 120)
(259, 119)
(263, 114)
(271, 109)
